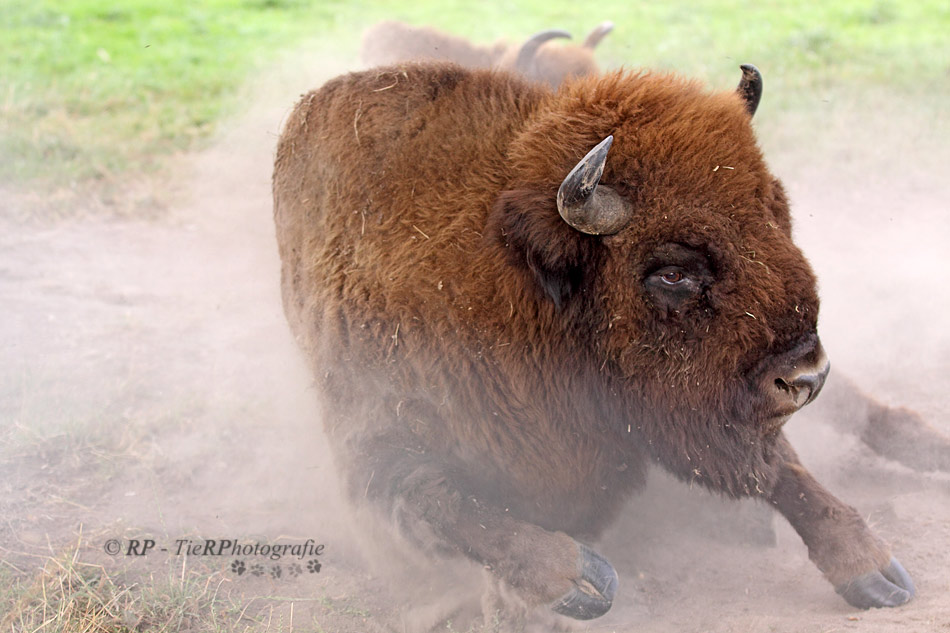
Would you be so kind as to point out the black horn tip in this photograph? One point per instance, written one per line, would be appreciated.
(750, 87)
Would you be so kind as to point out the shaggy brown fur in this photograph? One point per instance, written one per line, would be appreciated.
(390, 42)
(495, 381)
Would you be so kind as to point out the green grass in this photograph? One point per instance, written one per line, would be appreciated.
(92, 92)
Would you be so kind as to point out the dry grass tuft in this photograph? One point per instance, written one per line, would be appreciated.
(71, 596)
(67, 595)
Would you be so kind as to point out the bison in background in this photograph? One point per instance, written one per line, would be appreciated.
(514, 299)
(391, 41)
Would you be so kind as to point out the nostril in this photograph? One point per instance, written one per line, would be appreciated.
(801, 389)
(791, 383)
(796, 391)
(782, 385)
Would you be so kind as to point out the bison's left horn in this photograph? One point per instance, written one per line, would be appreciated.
(600, 32)
(588, 206)
(530, 47)
(750, 87)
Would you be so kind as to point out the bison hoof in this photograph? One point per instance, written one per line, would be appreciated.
(593, 594)
(889, 587)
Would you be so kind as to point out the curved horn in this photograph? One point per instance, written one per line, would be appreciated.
(750, 87)
(590, 207)
(530, 47)
(600, 31)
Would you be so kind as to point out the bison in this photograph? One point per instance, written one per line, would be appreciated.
(514, 299)
(391, 41)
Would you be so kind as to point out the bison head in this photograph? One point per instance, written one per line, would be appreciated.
(552, 64)
(667, 251)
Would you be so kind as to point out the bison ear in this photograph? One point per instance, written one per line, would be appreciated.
(537, 240)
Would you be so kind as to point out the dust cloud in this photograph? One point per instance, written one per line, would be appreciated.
(152, 389)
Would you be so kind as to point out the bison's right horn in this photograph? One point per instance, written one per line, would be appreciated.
(750, 87)
(530, 48)
(588, 206)
(600, 31)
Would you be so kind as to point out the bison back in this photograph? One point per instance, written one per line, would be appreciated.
(378, 174)
(389, 42)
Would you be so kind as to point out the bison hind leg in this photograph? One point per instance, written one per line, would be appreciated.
(902, 435)
(504, 611)
(895, 433)
(429, 508)
(433, 593)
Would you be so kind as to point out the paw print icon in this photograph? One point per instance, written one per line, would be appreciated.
(313, 566)
(238, 567)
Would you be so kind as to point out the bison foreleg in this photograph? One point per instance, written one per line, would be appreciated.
(429, 507)
(852, 558)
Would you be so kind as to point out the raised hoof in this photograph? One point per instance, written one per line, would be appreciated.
(889, 587)
(592, 596)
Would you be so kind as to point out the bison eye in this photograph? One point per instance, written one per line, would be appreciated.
(677, 276)
(672, 277)
(672, 288)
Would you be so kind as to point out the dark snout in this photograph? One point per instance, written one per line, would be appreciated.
(792, 379)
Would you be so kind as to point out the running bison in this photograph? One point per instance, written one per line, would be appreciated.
(514, 299)
(391, 41)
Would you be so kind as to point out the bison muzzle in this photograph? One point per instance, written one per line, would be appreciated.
(514, 299)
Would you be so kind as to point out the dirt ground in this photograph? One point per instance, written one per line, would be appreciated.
(149, 388)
